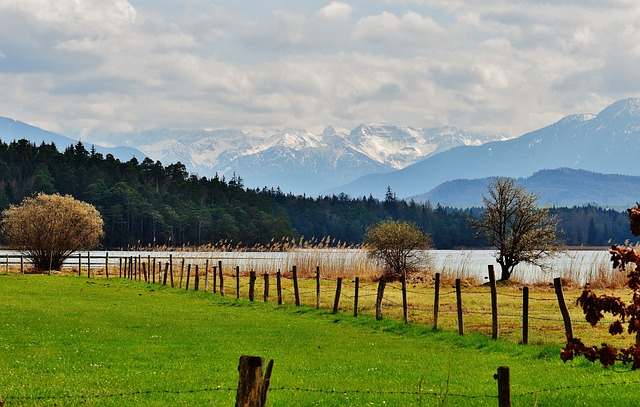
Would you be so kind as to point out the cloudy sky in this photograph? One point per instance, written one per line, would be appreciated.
(493, 66)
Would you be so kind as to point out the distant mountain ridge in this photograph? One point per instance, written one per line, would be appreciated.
(11, 130)
(607, 143)
(562, 187)
(297, 160)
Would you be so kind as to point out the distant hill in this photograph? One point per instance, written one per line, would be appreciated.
(11, 130)
(559, 187)
(608, 143)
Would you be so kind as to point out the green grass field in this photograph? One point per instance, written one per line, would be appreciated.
(112, 342)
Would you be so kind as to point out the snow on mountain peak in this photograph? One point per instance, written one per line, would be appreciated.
(298, 139)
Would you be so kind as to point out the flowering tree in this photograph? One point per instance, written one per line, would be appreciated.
(47, 229)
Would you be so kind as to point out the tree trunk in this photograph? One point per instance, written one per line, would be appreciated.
(506, 272)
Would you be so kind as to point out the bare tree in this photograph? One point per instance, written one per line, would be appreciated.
(514, 223)
(398, 245)
(49, 228)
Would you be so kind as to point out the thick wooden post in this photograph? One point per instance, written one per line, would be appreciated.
(153, 272)
(120, 269)
(196, 285)
(336, 300)
(525, 315)
(171, 270)
(22, 264)
(355, 297)
(568, 328)
(79, 264)
(221, 278)
(237, 282)
(214, 275)
(504, 386)
(379, 297)
(405, 305)
(252, 285)
(188, 276)
(106, 264)
(436, 301)
(182, 272)
(166, 271)
(459, 306)
(279, 286)
(494, 303)
(266, 287)
(88, 264)
(317, 287)
(253, 386)
(296, 290)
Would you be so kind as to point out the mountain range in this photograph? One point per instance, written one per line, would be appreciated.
(580, 159)
(607, 143)
(297, 160)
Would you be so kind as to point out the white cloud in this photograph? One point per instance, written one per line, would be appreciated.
(336, 11)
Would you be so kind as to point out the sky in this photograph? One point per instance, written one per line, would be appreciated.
(80, 67)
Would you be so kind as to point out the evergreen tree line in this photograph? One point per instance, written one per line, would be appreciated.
(147, 204)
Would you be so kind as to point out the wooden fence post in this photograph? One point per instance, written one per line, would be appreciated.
(459, 306)
(196, 284)
(568, 328)
(88, 264)
(106, 264)
(279, 286)
(144, 271)
(525, 315)
(252, 284)
(405, 305)
(22, 264)
(182, 272)
(317, 287)
(166, 271)
(79, 264)
(436, 301)
(188, 276)
(221, 278)
(253, 386)
(336, 300)
(153, 273)
(355, 297)
(266, 287)
(494, 303)
(504, 386)
(379, 297)
(296, 290)
(237, 282)
(120, 270)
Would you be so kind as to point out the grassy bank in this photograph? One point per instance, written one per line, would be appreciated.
(74, 341)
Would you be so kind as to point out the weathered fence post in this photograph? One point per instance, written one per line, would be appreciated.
(355, 297)
(120, 269)
(525, 315)
(436, 301)
(153, 273)
(318, 287)
(405, 305)
(494, 303)
(79, 264)
(196, 285)
(22, 264)
(252, 284)
(166, 271)
(336, 300)
(221, 278)
(144, 271)
(381, 285)
(279, 286)
(253, 386)
(459, 306)
(171, 268)
(88, 264)
(182, 272)
(106, 264)
(504, 386)
(188, 276)
(568, 328)
(296, 290)
(266, 287)
(237, 282)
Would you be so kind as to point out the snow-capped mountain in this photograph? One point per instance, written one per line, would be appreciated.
(606, 143)
(297, 160)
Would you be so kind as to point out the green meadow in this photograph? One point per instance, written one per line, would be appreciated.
(67, 340)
